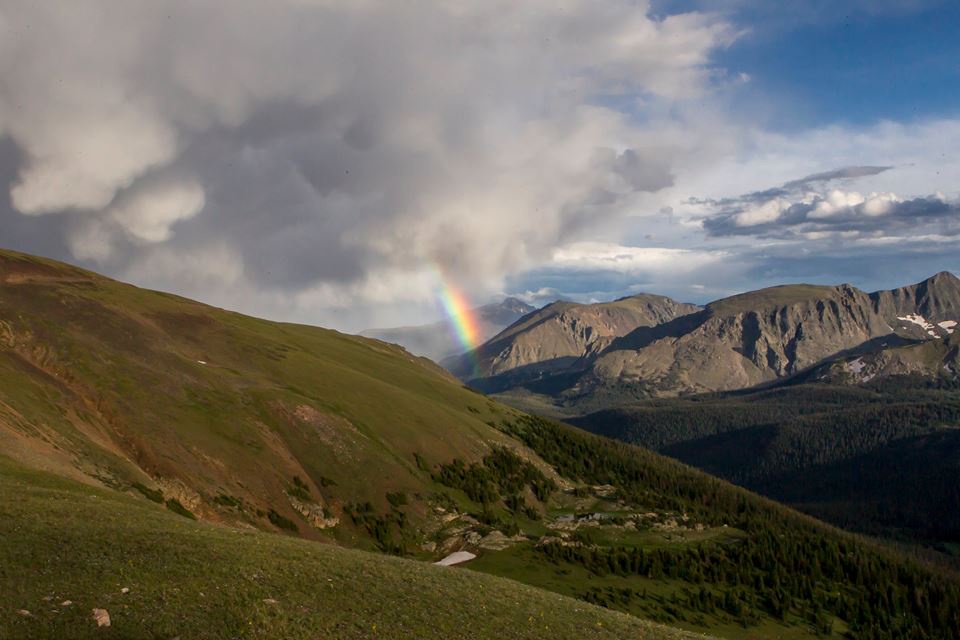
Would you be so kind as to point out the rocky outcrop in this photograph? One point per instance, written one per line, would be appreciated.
(316, 514)
(775, 333)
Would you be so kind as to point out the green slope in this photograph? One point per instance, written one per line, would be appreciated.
(104, 381)
(292, 429)
(62, 541)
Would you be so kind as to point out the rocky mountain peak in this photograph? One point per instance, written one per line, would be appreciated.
(562, 334)
(740, 341)
(516, 305)
(944, 276)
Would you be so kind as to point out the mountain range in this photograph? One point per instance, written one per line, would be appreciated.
(562, 335)
(650, 346)
(799, 392)
(438, 341)
(179, 469)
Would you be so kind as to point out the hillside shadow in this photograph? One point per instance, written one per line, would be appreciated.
(645, 336)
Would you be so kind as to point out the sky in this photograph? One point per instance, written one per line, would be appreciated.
(340, 163)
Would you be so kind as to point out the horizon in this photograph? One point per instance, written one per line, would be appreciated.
(445, 318)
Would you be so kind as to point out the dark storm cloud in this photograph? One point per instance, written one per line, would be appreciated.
(323, 153)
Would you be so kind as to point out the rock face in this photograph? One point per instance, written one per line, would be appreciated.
(927, 309)
(576, 352)
(316, 514)
(931, 358)
(436, 341)
(741, 341)
(562, 336)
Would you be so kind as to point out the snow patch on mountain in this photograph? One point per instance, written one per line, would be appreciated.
(917, 320)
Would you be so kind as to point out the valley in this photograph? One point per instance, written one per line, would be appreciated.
(832, 400)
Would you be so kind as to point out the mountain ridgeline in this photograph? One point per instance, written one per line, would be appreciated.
(583, 358)
(560, 337)
(146, 435)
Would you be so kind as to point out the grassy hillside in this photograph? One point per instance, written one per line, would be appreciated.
(66, 548)
(237, 419)
(185, 412)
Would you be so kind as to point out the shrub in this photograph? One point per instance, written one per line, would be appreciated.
(281, 522)
(174, 505)
(299, 490)
(225, 500)
(502, 472)
(421, 462)
(150, 494)
(397, 499)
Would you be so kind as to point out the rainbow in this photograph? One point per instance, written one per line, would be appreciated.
(461, 315)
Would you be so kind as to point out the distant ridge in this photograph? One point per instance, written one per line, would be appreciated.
(436, 341)
(600, 353)
(562, 335)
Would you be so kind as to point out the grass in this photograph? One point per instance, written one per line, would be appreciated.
(60, 540)
(140, 388)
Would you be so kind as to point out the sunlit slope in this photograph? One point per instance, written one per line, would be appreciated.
(195, 580)
(261, 425)
(117, 385)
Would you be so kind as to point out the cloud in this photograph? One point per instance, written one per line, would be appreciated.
(762, 213)
(843, 173)
(328, 145)
(832, 204)
(755, 204)
(149, 212)
(599, 271)
(605, 256)
(839, 213)
(819, 180)
(774, 18)
(322, 161)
